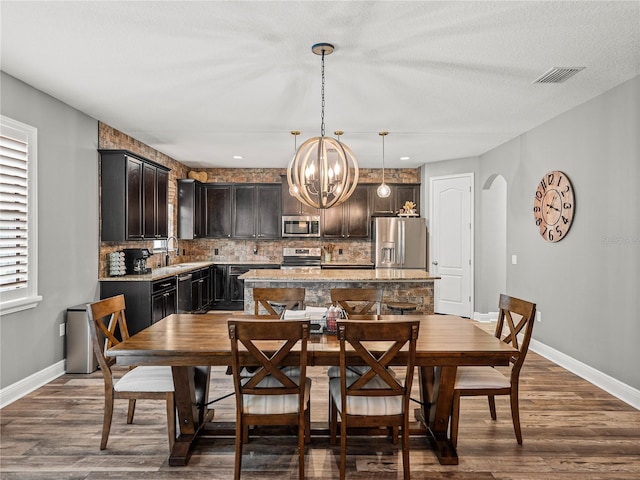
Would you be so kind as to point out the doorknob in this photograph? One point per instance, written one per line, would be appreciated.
(435, 263)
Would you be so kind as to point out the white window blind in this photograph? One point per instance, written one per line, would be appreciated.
(18, 282)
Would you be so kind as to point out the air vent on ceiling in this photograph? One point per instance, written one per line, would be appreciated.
(558, 74)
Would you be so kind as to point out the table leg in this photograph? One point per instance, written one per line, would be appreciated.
(436, 392)
(191, 391)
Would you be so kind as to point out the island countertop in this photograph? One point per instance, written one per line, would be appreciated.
(338, 275)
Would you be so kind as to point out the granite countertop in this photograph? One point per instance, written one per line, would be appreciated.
(339, 263)
(160, 273)
(336, 275)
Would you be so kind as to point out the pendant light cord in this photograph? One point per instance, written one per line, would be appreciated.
(383, 158)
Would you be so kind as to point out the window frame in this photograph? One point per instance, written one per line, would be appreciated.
(25, 298)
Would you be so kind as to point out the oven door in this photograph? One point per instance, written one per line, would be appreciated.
(301, 226)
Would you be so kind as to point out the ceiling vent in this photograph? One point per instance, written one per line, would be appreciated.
(558, 74)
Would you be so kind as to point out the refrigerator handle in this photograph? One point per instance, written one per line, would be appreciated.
(401, 241)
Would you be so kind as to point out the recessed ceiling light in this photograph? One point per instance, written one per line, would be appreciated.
(237, 157)
(405, 158)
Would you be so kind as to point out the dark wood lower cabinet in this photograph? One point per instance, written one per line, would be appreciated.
(228, 288)
(146, 302)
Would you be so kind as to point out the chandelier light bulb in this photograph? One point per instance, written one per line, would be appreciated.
(383, 190)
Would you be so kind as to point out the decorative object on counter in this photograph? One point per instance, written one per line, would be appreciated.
(324, 172)
(200, 176)
(117, 267)
(328, 251)
(383, 190)
(408, 209)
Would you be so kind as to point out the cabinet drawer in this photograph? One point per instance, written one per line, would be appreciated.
(164, 285)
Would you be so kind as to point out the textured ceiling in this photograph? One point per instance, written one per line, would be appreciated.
(204, 81)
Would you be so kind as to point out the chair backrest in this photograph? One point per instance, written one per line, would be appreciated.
(269, 344)
(107, 327)
(357, 301)
(525, 313)
(290, 298)
(377, 344)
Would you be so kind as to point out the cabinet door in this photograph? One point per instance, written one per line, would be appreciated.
(218, 211)
(134, 203)
(292, 206)
(382, 205)
(206, 289)
(219, 283)
(162, 200)
(358, 220)
(171, 302)
(269, 216)
(349, 220)
(150, 212)
(332, 222)
(157, 307)
(244, 211)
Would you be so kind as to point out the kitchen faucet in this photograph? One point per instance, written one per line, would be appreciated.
(166, 255)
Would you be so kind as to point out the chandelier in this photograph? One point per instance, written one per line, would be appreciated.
(323, 172)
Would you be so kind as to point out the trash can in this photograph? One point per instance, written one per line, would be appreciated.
(80, 356)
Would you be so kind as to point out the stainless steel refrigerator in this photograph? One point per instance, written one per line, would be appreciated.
(400, 242)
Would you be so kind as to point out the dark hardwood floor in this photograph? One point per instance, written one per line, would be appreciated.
(571, 429)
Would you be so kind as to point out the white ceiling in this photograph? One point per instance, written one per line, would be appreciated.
(204, 81)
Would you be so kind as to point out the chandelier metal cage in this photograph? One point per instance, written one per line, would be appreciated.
(324, 171)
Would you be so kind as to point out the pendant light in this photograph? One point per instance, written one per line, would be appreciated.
(324, 172)
(383, 190)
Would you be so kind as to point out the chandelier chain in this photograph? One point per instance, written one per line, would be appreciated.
(322, 95)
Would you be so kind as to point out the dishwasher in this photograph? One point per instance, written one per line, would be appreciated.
(184, 293)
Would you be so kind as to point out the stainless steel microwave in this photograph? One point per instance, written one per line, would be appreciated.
(301, 226)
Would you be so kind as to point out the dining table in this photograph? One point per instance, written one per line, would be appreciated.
(192, 343)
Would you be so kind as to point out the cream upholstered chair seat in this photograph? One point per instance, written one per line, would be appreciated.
(146, 379)
(275, 404)
(480, 377)
(367, 405)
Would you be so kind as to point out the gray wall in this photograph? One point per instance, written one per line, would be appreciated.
(587, 285)
(67, 228)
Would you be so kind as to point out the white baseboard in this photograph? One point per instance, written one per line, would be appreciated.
(27, 385)
(624, 392)
(485, 317)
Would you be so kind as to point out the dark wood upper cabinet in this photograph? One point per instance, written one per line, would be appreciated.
(349, 220)
(257, 211)
(292, 206)
(134, 196)
(400, 193)
(190, 211)
(217, 204)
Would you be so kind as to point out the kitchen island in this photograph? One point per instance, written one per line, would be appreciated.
(398, 285)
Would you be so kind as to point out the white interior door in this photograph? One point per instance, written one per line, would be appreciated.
(452, 243)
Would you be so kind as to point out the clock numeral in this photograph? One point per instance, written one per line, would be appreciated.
(559, 179)
(558, 231)
(536, 209)
(538, 221)
(566, 190)
(550, 235)
(543, 184)
(567, 205)
(538, 195)
(565, 220)
(550, 178)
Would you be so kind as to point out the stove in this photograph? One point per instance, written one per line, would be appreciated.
(301, 258)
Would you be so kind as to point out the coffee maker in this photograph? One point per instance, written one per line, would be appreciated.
(135, 260)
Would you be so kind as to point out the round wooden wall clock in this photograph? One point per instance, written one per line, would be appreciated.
(553, 206)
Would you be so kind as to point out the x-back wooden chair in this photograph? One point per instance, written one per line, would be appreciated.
(287, 298)
(272, 395)
(485, 380)
(107, 327)
(377, 397)
(357, 301)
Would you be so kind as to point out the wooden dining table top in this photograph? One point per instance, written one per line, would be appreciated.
(203, 339)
